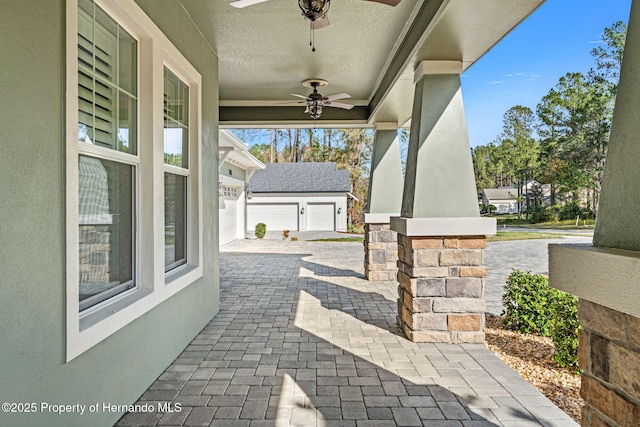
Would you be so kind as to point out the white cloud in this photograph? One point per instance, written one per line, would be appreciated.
(529, 76)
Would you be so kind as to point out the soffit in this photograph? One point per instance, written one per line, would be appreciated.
(369, 51)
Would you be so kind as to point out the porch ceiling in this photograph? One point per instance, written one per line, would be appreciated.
(369, 51)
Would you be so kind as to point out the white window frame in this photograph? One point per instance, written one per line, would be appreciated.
(174, 273)
(229, 191)
(89, 327)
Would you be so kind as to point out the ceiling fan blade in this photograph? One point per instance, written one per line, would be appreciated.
(337, 96)
(245, 3)
(387, 2)
(299, 96)
(290, 102)
(339, 105)
(321, 23)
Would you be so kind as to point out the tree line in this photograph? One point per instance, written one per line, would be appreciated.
(563, 143)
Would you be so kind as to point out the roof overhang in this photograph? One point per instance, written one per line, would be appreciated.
(236, 152)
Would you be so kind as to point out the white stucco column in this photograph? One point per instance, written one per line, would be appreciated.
(383, 201)
(385, 181)
(606, 275)
(441, 236)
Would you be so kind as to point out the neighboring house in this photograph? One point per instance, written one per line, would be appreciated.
(237, 166)
(535, 189)
(299, 196)
(504, 199)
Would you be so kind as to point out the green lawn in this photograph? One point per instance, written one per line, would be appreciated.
(560, 225)
(503, 236)
(340, 239)
(500, 237)
(512, 221)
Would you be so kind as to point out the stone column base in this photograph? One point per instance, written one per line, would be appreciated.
(441, 288)
(380, 252)
(609, 355)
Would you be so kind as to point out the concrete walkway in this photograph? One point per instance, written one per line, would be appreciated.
(302, 339)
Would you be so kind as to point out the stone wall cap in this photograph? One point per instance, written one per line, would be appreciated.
(473, 226)
(605, 276)
(377, 218)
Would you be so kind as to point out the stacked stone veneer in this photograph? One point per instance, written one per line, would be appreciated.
(609, 354)
(441, 288)
(380, 252)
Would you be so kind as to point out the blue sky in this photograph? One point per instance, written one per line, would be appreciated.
(557, 38)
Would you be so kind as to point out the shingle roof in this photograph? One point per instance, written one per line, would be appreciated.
(305, 177)
(500, 193)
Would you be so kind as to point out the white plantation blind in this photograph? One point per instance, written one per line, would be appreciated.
(176, 120)
(107, 118)
(107, 57)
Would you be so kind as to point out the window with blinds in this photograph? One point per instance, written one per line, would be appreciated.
(176, 120)
(116, 167)
(107, 111)
(176, 149)
(107, 70)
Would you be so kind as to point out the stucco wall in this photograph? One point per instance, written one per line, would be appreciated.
(32, 215)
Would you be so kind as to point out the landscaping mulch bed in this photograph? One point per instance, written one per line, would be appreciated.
(531, 356)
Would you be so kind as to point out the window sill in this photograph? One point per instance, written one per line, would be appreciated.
(93, 327)
(100, 313)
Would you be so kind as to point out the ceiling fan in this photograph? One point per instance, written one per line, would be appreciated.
(315, 11)
(315, 101)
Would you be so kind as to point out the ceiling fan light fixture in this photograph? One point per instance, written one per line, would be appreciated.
(314, 108)
(314, 10)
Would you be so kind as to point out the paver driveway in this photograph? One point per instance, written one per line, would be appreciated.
(302, 339)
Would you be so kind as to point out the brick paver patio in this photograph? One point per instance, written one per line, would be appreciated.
(302, 339)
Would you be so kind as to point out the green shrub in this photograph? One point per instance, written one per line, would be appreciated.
(541, 214)
(261, 230)
(564, 328)
(526, 303)
(531, 306)
(569, 211)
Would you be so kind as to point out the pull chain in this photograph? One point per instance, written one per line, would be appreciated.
(312, 36)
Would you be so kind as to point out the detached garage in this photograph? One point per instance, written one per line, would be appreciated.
(299, 197)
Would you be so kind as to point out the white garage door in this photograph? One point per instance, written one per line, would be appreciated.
(280, 216)
(321, 216)
(230, 227)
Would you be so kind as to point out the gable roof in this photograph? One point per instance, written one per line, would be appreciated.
(304, 177)
(500, 193)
